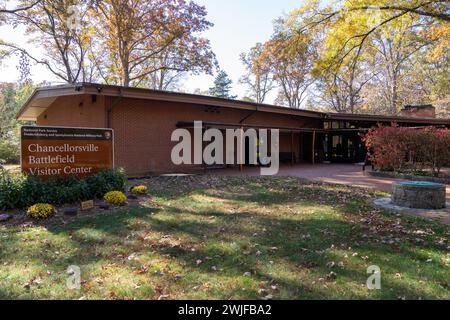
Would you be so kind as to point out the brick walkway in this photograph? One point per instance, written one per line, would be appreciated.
(348, 174)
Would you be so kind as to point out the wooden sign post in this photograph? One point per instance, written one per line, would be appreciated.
(59, 152)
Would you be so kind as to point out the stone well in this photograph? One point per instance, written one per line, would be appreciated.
(418, 194)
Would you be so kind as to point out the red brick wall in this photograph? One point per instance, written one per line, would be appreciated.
(75, 111)
(143, 131)
(143, 128)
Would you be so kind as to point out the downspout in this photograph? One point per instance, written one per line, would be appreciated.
(110, 109)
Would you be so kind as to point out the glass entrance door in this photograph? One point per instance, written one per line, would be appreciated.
(344, 147)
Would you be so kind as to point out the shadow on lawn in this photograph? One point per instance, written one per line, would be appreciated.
(298, 248)
(295, 254)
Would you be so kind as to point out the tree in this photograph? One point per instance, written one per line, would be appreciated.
(366, 53)
(395, 49)
(426, 80)
(258, 77)
(175, 63)
(8, 107)
(139, 38)
(291, 57)
(12, 97)
(222, 86)
(122, 42)
(352, 24)
(341, 90)
(30, 5)
(58, 27)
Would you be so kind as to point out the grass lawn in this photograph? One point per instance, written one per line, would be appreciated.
(231, 238)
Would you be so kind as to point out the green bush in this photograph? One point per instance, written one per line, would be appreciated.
(20, 191)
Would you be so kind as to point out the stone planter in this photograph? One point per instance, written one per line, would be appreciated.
(419, 195)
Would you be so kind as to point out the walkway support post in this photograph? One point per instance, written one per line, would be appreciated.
(292, 148)
(314, 147)
(241, 153)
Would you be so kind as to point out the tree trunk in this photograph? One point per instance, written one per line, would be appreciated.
(394, 94)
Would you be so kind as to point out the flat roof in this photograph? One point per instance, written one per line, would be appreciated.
(43, 97)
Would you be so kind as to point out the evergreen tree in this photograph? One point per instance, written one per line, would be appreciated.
(222, 86)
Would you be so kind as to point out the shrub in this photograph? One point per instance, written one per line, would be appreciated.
(41, 211)
(116, 198)
(141, 189)
(20, 191)
(411, 149)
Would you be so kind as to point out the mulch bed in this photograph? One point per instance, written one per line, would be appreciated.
(20, 218)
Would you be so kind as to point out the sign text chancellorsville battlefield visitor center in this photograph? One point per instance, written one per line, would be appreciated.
(56, 152)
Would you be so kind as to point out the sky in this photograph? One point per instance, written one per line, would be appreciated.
(238, 25)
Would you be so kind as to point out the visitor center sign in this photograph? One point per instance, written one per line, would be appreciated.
(60, 151)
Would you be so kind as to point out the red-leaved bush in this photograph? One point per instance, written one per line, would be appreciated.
(408, 149)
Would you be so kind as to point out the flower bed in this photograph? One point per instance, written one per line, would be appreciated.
(18, 191)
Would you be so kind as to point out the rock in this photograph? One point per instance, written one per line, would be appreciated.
(5, 217)
(132, 197)
(71, 211)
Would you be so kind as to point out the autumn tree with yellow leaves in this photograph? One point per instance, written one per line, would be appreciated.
(368, 55)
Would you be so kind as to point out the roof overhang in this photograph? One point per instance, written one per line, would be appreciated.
(43, 97)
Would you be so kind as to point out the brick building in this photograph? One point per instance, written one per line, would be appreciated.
(143, 121)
